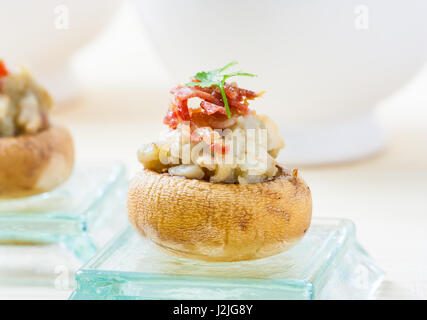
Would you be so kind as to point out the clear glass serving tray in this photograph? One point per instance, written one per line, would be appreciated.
(63, 228)
(327, 264)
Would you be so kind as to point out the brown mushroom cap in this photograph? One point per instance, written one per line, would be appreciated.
(35, 163)
(220, 222)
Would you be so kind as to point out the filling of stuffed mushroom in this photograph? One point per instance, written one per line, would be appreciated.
(214, 135)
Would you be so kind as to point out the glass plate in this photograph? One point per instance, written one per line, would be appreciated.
(63, 228)
(327, 264)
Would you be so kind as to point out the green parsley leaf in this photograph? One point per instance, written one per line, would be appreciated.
(217, 78)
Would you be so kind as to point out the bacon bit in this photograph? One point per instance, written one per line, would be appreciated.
(3, 70)
(239, 106)
(232, 91)
(212, 108)
(212, 112)
(181, 109)
(185, 93)
(200, 119)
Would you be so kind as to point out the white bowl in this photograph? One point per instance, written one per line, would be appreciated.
(325, 64)
(36, 34)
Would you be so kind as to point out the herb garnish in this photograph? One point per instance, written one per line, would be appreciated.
(217, 78)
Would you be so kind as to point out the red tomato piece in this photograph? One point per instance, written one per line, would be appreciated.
(3, 70)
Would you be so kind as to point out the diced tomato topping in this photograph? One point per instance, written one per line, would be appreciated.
(3, 70)
(171, 119)
(219, 148)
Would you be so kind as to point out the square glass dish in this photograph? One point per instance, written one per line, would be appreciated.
(328, 263)
(63, 228)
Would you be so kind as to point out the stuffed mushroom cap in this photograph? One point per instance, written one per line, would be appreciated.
(220, 222)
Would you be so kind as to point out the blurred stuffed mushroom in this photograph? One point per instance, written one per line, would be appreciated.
(35, 155)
